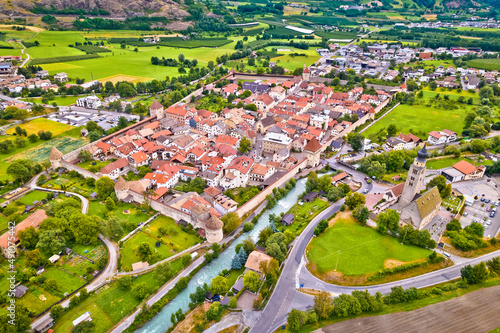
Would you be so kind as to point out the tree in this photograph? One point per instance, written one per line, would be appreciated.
(361, 213)
(122, 122)
(323, 305)
(454, 225)
(163, 272)
(245, 145)
(388, 221)
(356, 140)
(34, 259)
(93, 136)
(213, 311)
(144, 251)
(20, 142)
(486, 92)
(112, 227)
(392, 130)
(19, 171)
(110, 204)
(181, 57)
(354, 199)
(28, 237)
(239, 259)
(295, 320)
(231, 221)
(56, 311)
(475, 229)
(33, 138)
(186, 259)
(141, 291)
(276, 246)
(219, 285)
(251, 280)
(104, 187)
(125, 283)
(84, 156)
(51, 241)
(321, 227)
(440, 182)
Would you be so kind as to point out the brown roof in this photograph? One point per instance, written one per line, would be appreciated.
(121, 184)
(398, 189)
(55, 154)
(156, 105)
(213, 223)
(121, 163)
(212, 191)
(464, 167)
(313, 145)
(254, 260)
(340, 176)
(33, 220)
(199, 209)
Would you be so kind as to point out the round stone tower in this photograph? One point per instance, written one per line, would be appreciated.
(213, 230)
(55, 158)
(121, 188)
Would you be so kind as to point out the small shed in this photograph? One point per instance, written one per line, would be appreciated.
(224, 301)
(54, 258)
(287, 219)
(311, 196)
(20, 291)
(84, 317)
(182, 223)
(212, 297)
(238, 285)
(93, 195)
(40, 270)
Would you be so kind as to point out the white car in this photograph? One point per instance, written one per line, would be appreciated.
(365, 191)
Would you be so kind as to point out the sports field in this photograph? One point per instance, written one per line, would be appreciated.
(363, 250)
(422, 119)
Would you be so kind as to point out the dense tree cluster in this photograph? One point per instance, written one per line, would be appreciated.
(469, 238)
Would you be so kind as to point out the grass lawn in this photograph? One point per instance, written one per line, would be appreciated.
(422, 119)
(175, 241)
(448, 162)
(233, 276)
(38, 124)
(60, 100)
(95, 164)
(303, 215)
(33, 196)
(128, 220)
(362, 250)
(67, 282)
(32, 299)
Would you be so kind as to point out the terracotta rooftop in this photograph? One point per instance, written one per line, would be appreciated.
(313, 145)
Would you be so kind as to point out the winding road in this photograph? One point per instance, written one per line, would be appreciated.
(286, 296)
(112, 265)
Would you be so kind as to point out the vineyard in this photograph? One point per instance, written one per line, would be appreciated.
(40, 61)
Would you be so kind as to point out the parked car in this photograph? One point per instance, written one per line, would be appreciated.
(483, 199)
(492, 214)
(487, 200)
(488, 209)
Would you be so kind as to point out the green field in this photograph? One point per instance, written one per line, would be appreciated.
(422, 119)
(362, 250)
(448, 162)
(175, 241)
(303, 214)
(488, 64)
(59, 100)
(39, 124)
(33, 196)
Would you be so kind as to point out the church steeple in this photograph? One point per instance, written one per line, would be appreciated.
(414, 178)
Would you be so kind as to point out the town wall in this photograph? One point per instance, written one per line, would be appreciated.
(81, 171)
(162, 208)
(255, 201)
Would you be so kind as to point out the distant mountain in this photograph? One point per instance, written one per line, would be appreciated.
(115, 8)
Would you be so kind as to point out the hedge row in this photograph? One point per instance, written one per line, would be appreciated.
(41, 61)
(92, 48)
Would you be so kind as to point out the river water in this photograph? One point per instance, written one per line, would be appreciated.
(161, 322)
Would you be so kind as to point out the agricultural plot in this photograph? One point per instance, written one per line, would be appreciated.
(38, 124)
(488, 64)
(32, 196)
(42, 151)
(59, 100)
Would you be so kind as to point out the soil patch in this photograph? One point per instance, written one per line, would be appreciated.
(391, 263)
(340, 215)
(474, 312)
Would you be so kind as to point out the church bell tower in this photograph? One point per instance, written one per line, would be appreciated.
(414, 179)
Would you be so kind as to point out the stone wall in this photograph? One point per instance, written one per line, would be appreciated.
(162, 208)
(74, 154)
(85, 173)
(255, 201)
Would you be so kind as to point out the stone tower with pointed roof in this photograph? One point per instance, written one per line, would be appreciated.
(121, 188)
(306, 73)
(414, 179)
(213, 230)
(55, 158)
(313, 152)
(156, 109)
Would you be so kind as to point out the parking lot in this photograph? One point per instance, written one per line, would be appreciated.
(81, 117)
(480, 211)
